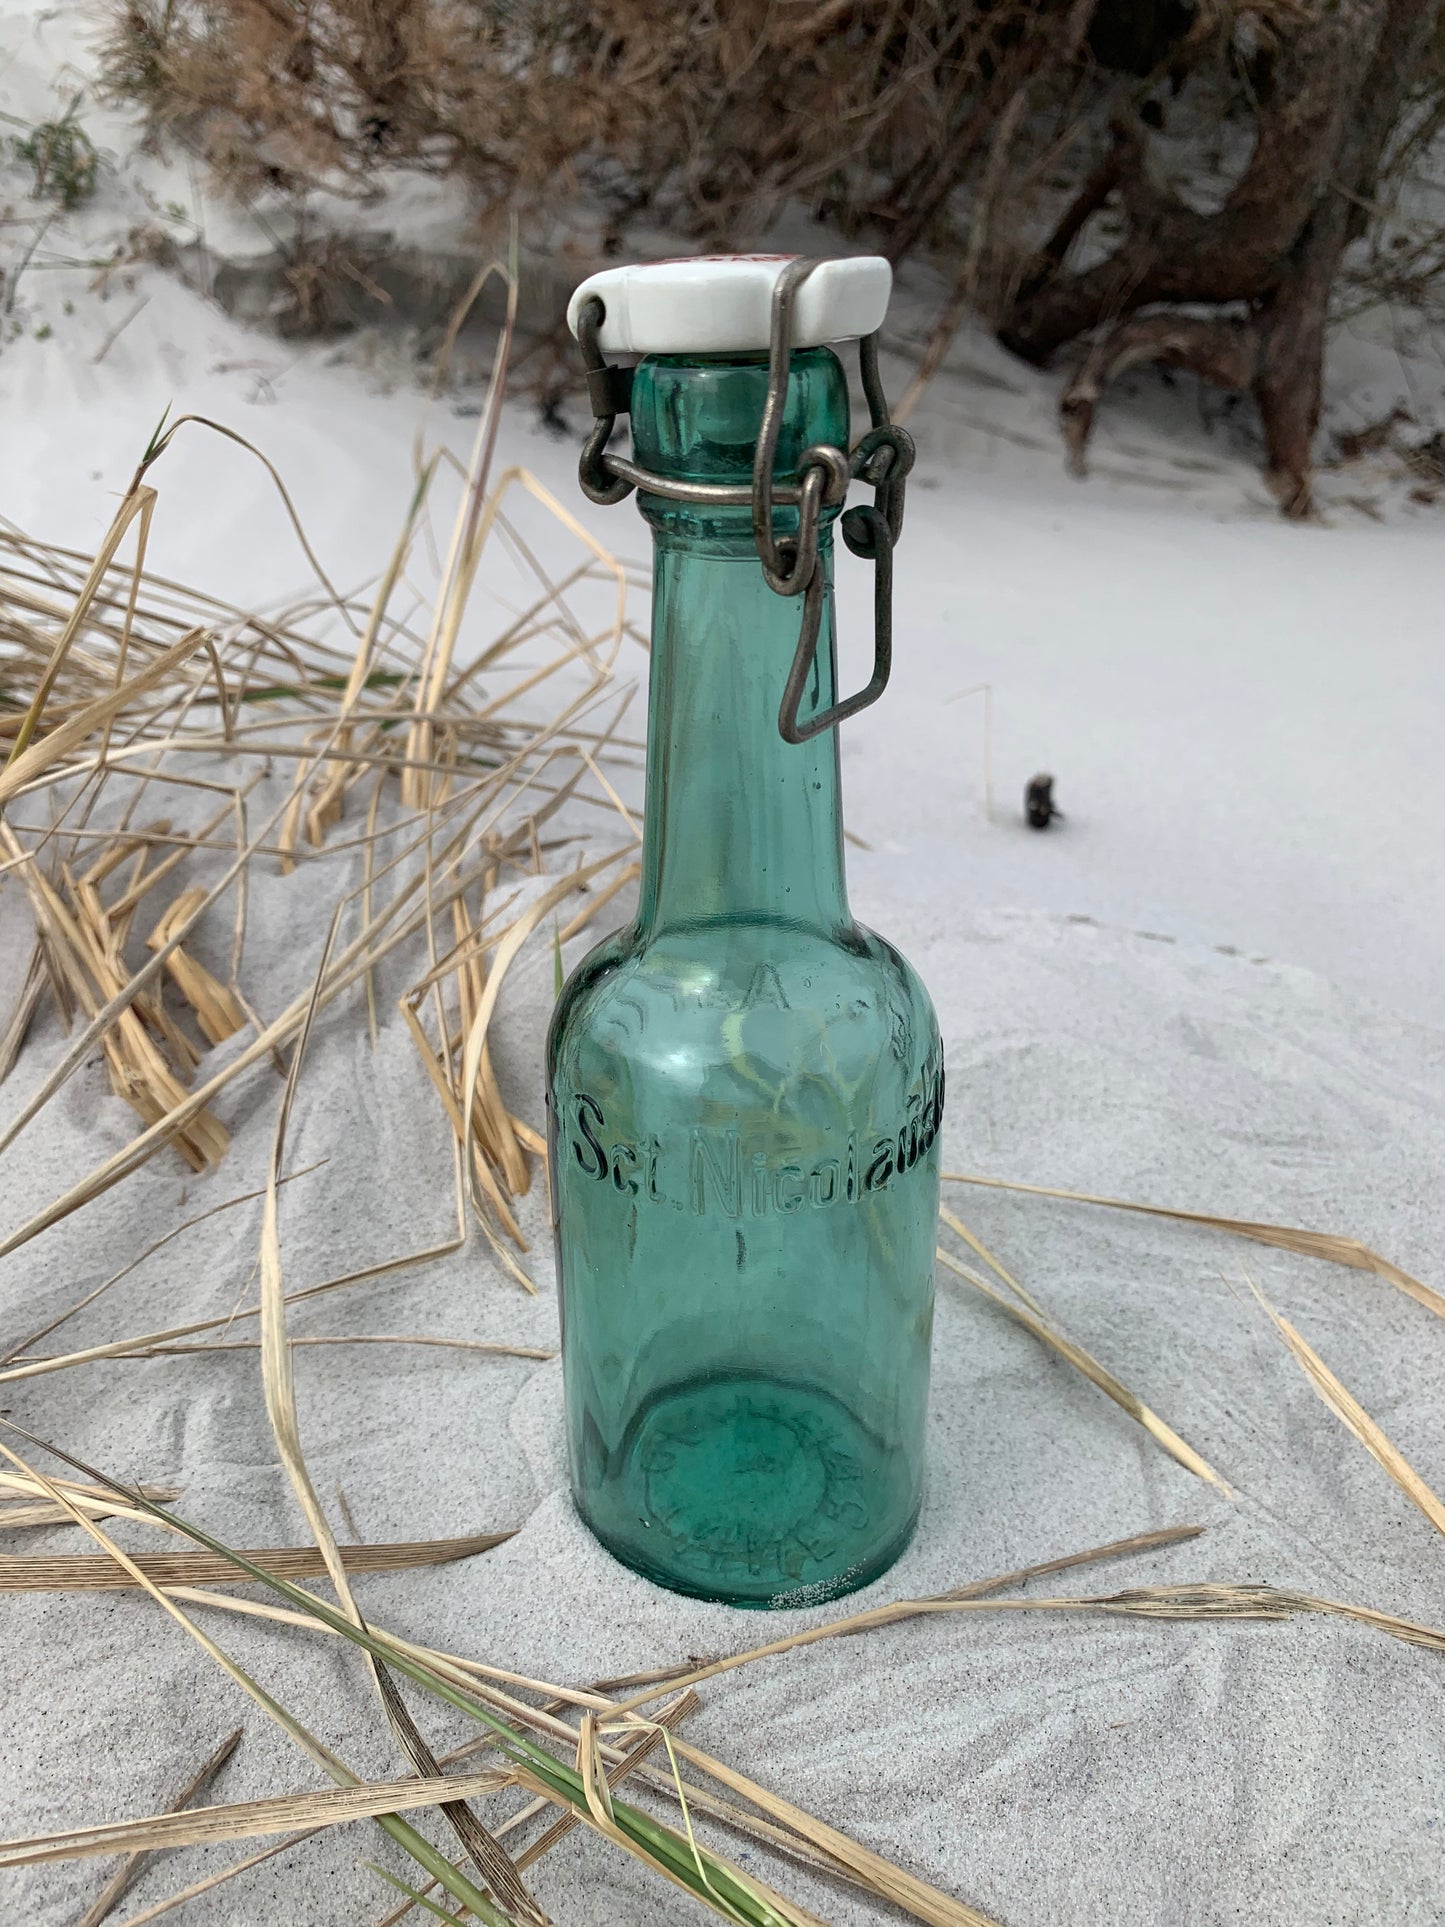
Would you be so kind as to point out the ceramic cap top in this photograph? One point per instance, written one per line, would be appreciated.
(720, 303)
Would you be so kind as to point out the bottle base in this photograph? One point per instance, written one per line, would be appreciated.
(753, 1492)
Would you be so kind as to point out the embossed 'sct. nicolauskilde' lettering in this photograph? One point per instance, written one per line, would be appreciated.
(723, 1175)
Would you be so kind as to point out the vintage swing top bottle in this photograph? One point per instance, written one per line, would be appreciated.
(745, 1086)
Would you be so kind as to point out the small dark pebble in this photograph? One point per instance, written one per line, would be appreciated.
(1039, 806)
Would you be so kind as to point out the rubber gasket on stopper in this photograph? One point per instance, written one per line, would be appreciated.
(721, 303)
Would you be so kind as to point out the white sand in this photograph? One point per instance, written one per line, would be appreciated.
(1215, 986)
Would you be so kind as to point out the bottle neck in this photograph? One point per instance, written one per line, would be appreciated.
(741, 826)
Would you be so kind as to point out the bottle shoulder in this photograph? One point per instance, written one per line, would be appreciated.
(773, 992)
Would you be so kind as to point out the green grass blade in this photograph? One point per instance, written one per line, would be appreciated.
(440, 1868)
(416, 1898)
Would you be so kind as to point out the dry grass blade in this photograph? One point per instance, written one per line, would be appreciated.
(247, 1819)
(686, 1798)
(738, 1820)
(123, 1347)
(84, 1572)
(976, 1245)
(23, 1015)
(469, 538)
(471, 1674)
(1353, 1416)
(489, 1138)
(199, 1887)
(26, 764)
(16, 1517)
(670, 1679)
(880, 1876)
(425, 1339)
(104, 1019)
(137, 503)
(142, 1342)
(752, 1826)
(161, 441)
(328, 803)
(1223, 1601)
(1097, 1374)
(218, 1012)
(74, 1489)
(34, 1509)
(598, 901)
(1209, 1599)
(1327, 1245)
(148, 1059)
(106, 1899)
(476, 1681)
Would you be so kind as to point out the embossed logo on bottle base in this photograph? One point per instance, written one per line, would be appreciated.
(754, 1479)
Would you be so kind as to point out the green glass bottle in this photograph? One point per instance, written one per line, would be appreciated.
(745, 1086)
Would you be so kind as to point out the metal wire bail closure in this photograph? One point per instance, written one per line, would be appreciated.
(609, 389)
(789, 563)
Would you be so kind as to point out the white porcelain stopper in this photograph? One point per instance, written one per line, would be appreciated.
(720, 303)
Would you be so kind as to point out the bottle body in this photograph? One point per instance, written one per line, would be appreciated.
(745, 1091)
(746, 1170)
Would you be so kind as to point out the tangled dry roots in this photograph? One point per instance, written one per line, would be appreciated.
(1331, 85)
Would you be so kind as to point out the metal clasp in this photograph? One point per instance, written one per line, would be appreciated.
(789, 563)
